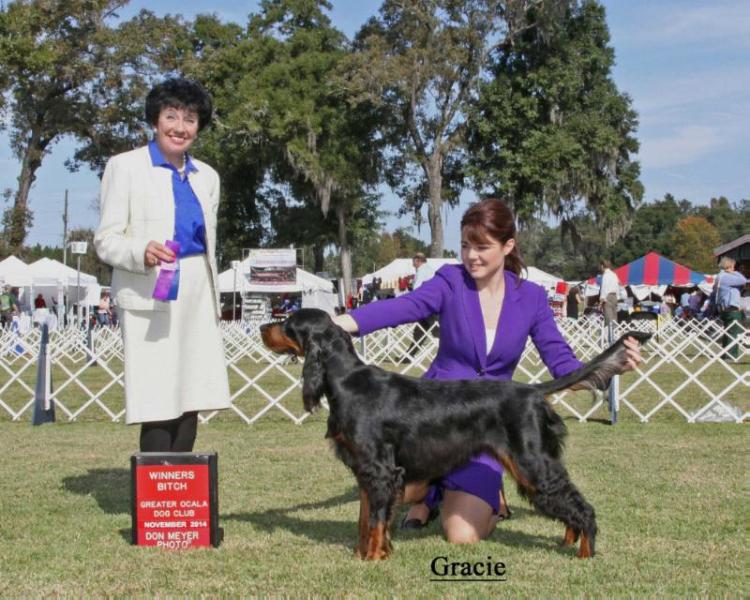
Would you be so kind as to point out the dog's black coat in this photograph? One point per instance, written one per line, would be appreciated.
(392, 430)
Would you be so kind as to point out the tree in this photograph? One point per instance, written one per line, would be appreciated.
(732, 221)
(228, 62)
(385, 247)
(65, 71)
(551, 134)
(277, 94)
(303, 224)
(694, 241)
(423, 60)
(652, 230)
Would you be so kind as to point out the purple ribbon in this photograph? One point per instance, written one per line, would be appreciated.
(168, 280)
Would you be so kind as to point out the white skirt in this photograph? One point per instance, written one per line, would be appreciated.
(174, 359)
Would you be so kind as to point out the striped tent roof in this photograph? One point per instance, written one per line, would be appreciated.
(654, 269)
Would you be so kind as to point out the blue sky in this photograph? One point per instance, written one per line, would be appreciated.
(685, 64)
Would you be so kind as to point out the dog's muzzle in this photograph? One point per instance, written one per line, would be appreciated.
(277, 341)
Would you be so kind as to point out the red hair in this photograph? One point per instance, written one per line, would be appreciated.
(492, 218)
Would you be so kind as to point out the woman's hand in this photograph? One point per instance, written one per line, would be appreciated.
(157, 253)
(347, 323)
(634, 354)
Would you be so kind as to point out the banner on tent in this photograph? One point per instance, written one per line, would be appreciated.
(271, 266)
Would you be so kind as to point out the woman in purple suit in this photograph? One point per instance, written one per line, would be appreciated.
(486, 312)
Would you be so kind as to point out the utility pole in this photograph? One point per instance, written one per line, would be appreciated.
(65, 230)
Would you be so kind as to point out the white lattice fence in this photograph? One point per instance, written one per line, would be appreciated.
(685, 371)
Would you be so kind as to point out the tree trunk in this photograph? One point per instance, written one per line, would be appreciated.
(21, 217)
(319, 256)
(346, 252)
(434, 174)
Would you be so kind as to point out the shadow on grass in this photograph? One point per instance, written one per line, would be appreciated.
(109, 487)
(331, 532)
(600, 421)
(345, 532)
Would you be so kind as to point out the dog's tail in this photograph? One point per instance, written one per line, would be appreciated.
(597, 374)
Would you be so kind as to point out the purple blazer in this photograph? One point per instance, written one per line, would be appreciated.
(452, 295)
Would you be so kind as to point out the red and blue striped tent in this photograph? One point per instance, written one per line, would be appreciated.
(654, 269)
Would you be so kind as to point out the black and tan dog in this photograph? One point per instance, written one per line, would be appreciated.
(396, 433)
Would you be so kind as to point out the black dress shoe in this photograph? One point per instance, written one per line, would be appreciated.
(504, 516)
(413, 524)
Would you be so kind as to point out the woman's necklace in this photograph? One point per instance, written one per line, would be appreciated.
(181, 169)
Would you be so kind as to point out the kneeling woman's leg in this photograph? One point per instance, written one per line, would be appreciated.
(466, 518)
(471, 500)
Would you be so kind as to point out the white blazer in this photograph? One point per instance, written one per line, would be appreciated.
(137, 206)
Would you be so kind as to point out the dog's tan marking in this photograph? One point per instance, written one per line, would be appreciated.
(584, 550)
(345, 442)
(571, 537)
(275, 340)
(364, 520)
(512, 468)
(377, 547)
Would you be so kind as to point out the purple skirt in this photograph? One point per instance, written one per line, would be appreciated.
(482, 477)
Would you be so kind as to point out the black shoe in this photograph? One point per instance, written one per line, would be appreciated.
(505, 516)
(413, 524)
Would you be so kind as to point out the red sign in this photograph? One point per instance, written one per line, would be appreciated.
(172, 505)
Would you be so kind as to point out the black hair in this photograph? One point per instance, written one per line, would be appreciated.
(179, 93)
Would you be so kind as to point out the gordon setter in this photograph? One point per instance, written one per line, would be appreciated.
(397, 433)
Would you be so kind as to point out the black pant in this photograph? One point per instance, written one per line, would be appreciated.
(175, 435)
(732, 320)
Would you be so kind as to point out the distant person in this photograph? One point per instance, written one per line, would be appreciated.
(103, 310)
(608, 292)
(670, 301)
(728, 287)
(423, 270)
(695, 302)
(685, 299)
(39, 302)
(158, 214)
(8, 306)
(573, 299)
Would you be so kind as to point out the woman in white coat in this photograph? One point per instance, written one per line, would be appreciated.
(158, 232)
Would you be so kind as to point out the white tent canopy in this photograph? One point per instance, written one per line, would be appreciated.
(316, 292)
(15, 272)
(546, 280)
(305, 282)
(402, 267)
(53, 280)
(47, 271)
(49, 274)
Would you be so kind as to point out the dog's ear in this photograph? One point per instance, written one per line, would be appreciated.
(313, 377)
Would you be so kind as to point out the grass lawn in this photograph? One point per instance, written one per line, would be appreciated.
(671, 500)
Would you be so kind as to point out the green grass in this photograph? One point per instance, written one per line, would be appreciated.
(671, 500)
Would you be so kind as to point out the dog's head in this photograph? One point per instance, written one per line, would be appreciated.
(307, 332)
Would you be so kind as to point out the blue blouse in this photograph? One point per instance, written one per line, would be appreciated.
(189, 225)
